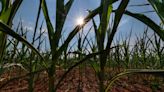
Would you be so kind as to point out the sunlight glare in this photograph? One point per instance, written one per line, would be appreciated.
(80, 21)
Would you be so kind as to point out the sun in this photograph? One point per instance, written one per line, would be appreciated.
(80, 21)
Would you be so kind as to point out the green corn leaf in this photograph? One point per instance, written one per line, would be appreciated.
(5, 5)
(107, 9)
(95, 28)
(104, 21)
(13, 11)
(148, 22)
(3, 38)
(118, 15)
(49, 24)
(97, 37)
(85, 37)
(158, 7)
(60, 19)
(68, 6)
(134, 71)
(36, 23)
(6, 29)
(7, 16)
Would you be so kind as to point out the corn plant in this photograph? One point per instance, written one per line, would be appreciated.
(101, 34)
(55, 36)
(157, 49)
(23, 56)
(118, 13)
(152, 25)
(7, 14)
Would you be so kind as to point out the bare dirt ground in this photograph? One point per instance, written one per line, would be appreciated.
(87, 82)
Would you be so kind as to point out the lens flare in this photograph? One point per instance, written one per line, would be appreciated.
(80, 21)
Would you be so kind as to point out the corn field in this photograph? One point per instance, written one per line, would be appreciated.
(88, 57)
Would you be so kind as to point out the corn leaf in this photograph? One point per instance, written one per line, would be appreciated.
(118, 15)
(134, 71)
(61, 14)
(158, 7)
(105, 16)
(7, 16)
(68, 6)
(6, 29)
(60, 19)
(49, 24)
(36, 23)
(148, 22)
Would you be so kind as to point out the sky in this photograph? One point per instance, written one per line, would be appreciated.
(28, 12)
